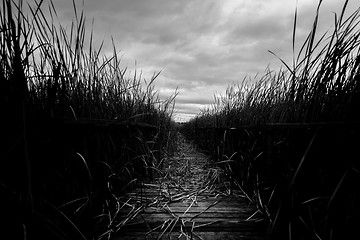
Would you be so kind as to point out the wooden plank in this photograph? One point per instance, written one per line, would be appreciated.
(192, 210)
(199, 195)
(205, 226)
(199, 216)
(199, 219)
(200, 206)
(196, 236)
(195, 209)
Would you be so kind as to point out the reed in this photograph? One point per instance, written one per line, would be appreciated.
(78, 132)
(292, 134)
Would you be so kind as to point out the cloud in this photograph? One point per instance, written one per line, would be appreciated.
(201, 46)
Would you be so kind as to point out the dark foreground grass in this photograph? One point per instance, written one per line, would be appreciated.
(290, 139)
(77, 134)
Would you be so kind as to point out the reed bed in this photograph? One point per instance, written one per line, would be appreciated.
(290, 137)
(78, 132)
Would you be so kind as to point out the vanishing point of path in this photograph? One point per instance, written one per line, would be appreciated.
(192, 200)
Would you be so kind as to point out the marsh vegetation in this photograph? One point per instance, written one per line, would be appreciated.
(77, 130)
(290, 138)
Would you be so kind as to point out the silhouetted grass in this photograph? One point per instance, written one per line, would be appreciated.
(77, 132)
(292, 135)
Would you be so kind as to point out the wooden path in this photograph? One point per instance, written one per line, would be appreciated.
(192, 200)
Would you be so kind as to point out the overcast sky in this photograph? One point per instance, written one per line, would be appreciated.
(201, 46)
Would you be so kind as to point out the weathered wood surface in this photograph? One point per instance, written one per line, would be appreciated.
(193, 200)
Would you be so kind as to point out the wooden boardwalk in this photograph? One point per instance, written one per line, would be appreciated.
(192, 200)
